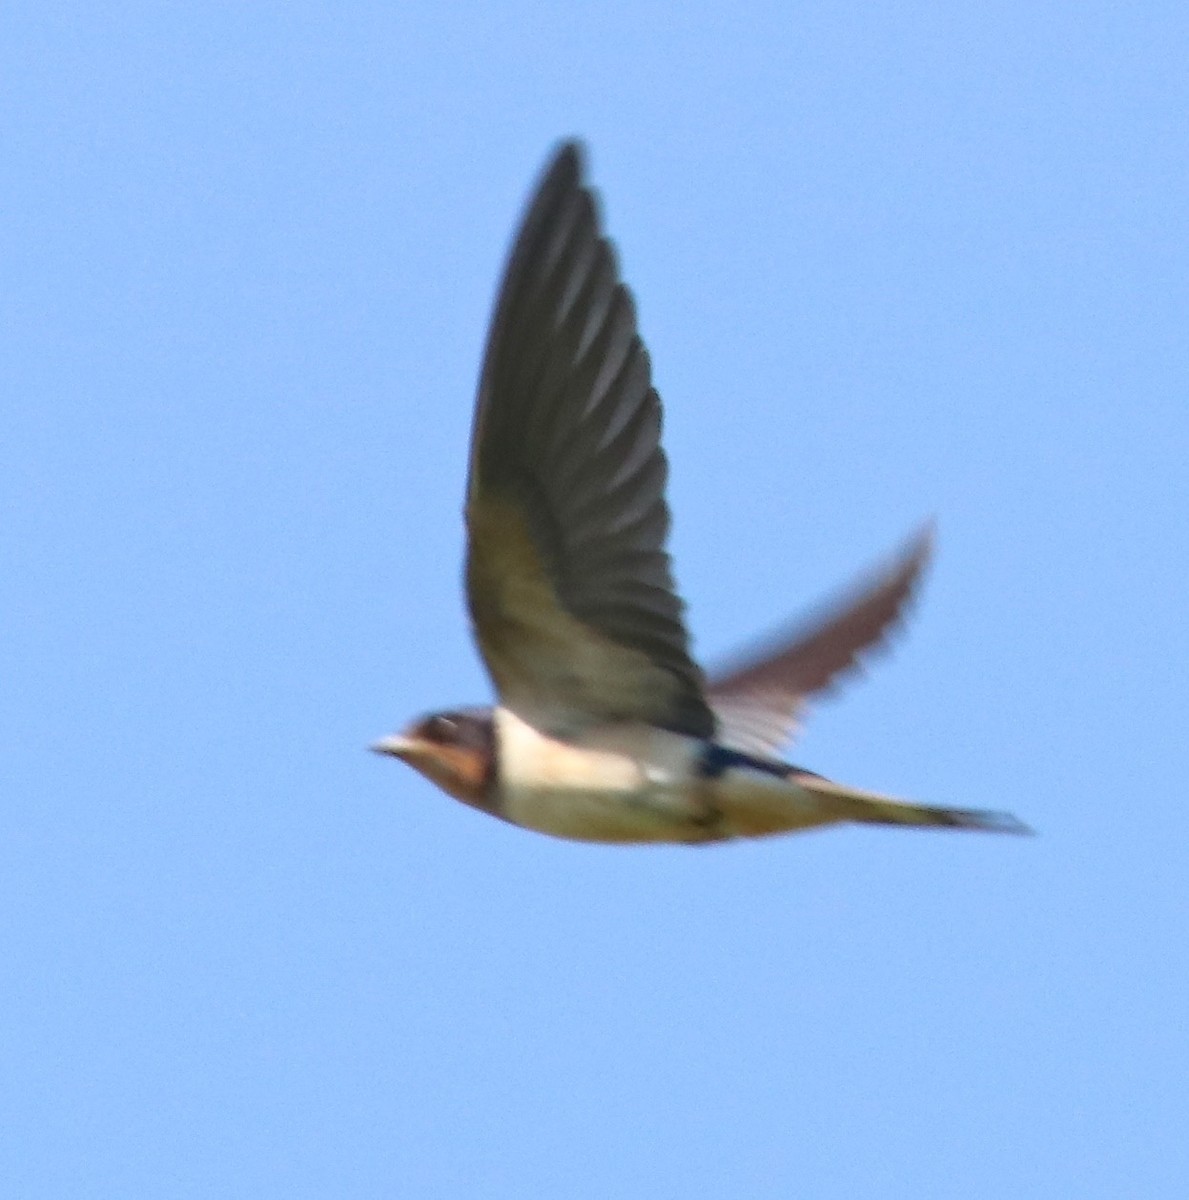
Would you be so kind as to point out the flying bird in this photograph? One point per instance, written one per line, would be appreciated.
(606, 729)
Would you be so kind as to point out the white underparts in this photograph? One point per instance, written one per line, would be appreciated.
(636, 783)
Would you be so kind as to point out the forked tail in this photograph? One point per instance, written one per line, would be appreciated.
(851, 804)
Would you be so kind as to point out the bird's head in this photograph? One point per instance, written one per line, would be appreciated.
(455, 749)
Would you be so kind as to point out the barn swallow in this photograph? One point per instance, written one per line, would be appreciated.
(606, 730)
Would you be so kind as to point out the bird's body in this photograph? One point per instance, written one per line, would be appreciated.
(638, 783)
(635, 782)
(606, 729)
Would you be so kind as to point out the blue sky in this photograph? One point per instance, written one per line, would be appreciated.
(891, 262)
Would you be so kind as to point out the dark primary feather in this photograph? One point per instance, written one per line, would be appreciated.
(569, 584)
(758, 701)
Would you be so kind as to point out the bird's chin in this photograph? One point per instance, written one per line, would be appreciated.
(461, 773)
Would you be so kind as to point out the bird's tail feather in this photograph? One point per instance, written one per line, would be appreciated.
(851, 804)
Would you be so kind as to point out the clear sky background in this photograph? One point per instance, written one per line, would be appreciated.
(892, 261)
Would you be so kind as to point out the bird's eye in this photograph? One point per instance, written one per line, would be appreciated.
(441, 729)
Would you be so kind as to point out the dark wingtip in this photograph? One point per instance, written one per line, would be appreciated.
(920, 547)
(568, 157)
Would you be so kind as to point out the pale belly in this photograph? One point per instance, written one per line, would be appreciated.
(637, 784)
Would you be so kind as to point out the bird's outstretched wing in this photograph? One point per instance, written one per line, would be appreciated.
(758, 701)
(568, 581)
